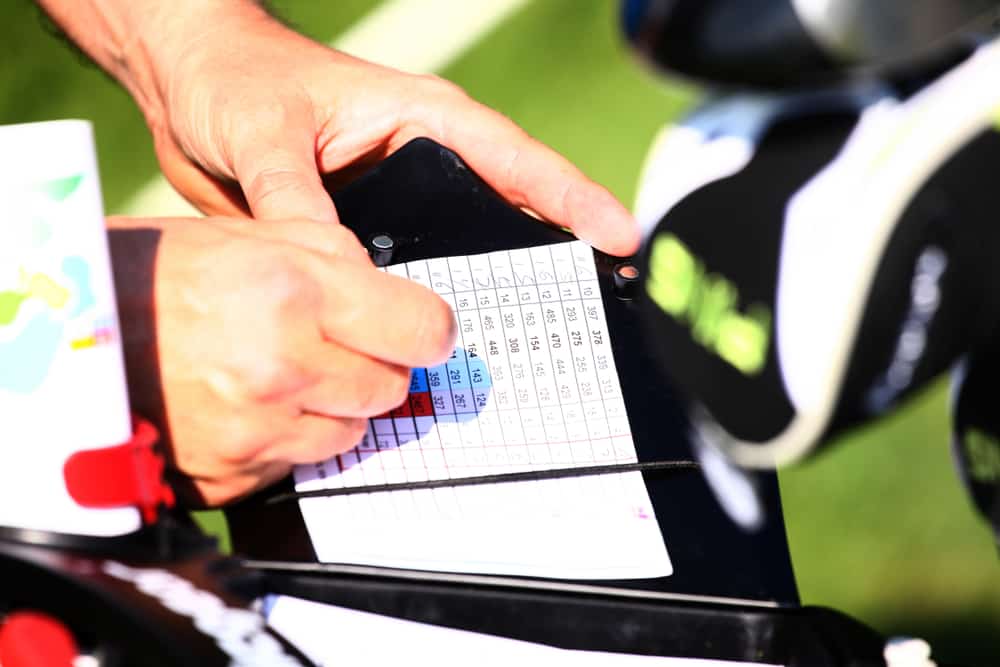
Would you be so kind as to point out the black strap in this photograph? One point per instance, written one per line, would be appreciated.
(502, 478)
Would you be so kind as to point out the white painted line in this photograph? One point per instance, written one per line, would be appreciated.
(424, 35)
(421, 36)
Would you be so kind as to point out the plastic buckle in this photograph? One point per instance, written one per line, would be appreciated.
(130, 474)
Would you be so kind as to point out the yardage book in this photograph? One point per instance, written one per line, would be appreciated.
(531, 385)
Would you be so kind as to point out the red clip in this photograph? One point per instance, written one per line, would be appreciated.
(33, 639)
(128, 474)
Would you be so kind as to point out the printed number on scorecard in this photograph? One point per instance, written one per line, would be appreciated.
(531, 385)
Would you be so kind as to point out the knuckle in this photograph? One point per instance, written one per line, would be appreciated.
(354, 431)
(274, 181)
(242, 447)
(512, 171)
(435, 101)
(367, 399)
(342, 434)
(383, 390)
(280, 282)
(262, 371)
(335, 239)
(273, 377)
(397, 386)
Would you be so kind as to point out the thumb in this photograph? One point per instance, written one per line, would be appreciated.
(280, 180)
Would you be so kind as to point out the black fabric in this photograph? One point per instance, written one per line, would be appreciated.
(952, 216)
(734, 227)
(763, 44)
(735, 42)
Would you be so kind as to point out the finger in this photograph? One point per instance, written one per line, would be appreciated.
(335, 241)
(352, 384)
(280, 178)
(530, 174)
(384, 316)
(317, 438)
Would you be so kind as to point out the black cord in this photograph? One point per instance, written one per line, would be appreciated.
(502, 478)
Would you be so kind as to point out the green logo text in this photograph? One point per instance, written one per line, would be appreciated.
(983, 454)
(708, 304)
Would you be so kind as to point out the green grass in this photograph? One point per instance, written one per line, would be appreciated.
(878, 526)
(42, 79)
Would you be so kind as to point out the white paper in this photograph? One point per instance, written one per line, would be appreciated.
(532, 386)
(62, 377)
(331, 635)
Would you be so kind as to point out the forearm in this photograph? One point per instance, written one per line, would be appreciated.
(141, 42)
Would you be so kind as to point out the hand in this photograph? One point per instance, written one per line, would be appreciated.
(254, 103)
(263, 345)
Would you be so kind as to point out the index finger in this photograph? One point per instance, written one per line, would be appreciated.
(384, 316)
(530, 174)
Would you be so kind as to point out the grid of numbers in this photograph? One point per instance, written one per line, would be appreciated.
(531, 385)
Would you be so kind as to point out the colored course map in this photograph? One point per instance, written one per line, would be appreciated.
(40, 308)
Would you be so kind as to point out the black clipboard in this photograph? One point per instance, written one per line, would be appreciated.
(432, 204)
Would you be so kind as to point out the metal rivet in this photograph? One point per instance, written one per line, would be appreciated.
(380, 249)
(626, 277)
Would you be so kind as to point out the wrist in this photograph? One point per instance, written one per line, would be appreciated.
(141, 42)
(133, 245)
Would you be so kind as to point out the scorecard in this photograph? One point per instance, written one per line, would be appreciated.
(531, 385)
(551, 369)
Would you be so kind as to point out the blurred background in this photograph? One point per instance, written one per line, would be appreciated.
(879, 527)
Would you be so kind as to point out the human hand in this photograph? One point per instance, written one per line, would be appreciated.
(253, 103)
(258, 346)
